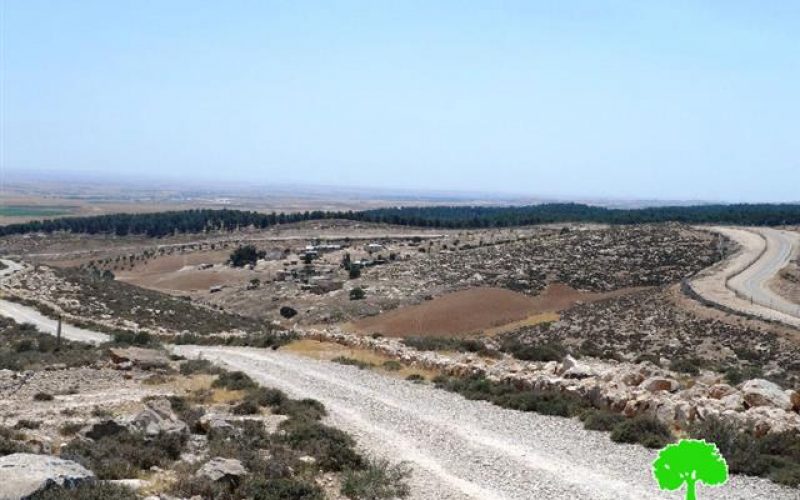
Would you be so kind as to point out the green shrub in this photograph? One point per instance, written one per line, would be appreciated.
(600, 420)
(357, 293)
(507, 395)
(689, 366)
(280, 489)
(28, 424)
(545, 352)
(10, 442)
(246, 407)
(344, 360)
(193, 366)
(87, 491)
(124, 455)
(377, 481)
(235, 381)
(646, 431)
(433, 343)
(775, 455)
(306, 409)
(267, 396)
(416, 378)
(392, 365)
(70, 428)
(333, 449)
(42, 396)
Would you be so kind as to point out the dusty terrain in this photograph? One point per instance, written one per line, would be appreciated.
(480, 310)
(580, 315)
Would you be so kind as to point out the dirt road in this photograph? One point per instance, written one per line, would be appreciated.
(468, 449)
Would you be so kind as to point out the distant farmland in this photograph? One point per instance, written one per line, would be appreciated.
(34, 210)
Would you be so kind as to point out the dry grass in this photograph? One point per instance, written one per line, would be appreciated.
(329, 350)
(547, 317)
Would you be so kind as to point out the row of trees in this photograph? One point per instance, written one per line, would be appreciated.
(206, 220)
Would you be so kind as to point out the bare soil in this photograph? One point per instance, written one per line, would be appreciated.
(475, 310)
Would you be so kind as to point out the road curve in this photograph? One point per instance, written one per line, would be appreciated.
(461, 449)
(752, 283)
(25, 314)
(740, 282)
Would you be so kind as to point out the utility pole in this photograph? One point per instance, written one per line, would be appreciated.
(58, 333)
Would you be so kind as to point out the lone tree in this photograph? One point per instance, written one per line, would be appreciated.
(689, 462)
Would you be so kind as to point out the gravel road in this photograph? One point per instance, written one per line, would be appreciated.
(468, 449)
(25, 314)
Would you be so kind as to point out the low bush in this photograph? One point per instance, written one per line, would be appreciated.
(246, 407)
(776, 456)
(378, 480)
(235, 381)
(509, 396)
(646, 431)
(333, 449)
(141, 339)
(87, 491)
(690, 366)
(448, 344)
(70, 428)
(42, 396)
(543, 352)
(193, 366)
(11, 442)
(416, 378)
(28, 424)
(392, 365)
(601, 420)
(124, 455)
(344, 360)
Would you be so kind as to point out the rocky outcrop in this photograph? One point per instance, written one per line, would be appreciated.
(157, 418)
(23, 474)
(219, 469)
(628, 388)
(760, 392)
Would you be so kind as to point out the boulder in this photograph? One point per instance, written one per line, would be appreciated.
(23, 474)
(219, 468)
(138, 356)
(632, 378)
(655, 384)
(719, 391)
(733, 402)
(157, 418)
(570, 368)
(213, 421)
(760, 392)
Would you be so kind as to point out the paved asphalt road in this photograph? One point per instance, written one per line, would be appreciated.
(752, 283)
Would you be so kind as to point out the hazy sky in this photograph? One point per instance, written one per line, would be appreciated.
(672, 100)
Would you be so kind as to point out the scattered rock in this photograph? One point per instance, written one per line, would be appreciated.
(219, 468)
(760, 392)
(654, 384)
(157, 418)
(137, 356)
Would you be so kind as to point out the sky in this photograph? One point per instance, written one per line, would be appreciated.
(674, 100)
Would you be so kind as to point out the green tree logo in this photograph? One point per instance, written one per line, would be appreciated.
(688, 462)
